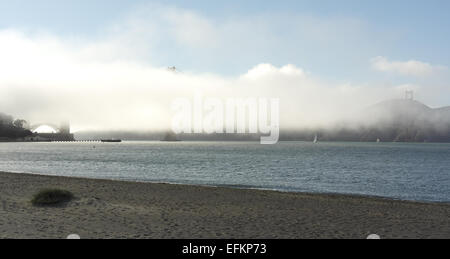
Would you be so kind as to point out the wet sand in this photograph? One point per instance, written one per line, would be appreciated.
(114, 209)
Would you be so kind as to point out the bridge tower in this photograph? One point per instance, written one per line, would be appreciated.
(409, 95)
(65, 128)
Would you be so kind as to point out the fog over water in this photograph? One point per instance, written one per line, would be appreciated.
(111, 83)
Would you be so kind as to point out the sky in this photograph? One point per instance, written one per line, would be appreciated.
(352, 51)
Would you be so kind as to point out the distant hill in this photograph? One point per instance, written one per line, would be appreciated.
(445, 111)
(403, 110)
(388, 121)
(395, 121)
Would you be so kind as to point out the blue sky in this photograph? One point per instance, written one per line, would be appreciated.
(399, 29)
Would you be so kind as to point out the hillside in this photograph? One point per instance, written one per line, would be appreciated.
(388, 121)
(397, 121)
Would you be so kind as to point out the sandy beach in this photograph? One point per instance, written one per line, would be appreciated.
(114, 209)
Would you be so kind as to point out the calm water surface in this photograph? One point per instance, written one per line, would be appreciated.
(403, 171)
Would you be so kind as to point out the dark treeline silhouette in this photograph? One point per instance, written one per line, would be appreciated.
(11, 129)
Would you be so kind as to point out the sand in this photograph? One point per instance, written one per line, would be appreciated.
(112, 209)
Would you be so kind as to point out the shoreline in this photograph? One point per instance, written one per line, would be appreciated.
(237, 187)
(124, 209)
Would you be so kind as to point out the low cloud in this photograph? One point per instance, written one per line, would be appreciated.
(47, 80)
(406, 68)
(268, 70)
(115, 82)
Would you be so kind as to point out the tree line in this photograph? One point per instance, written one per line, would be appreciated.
(11, 128)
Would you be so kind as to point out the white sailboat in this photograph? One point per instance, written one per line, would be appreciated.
(316, 139)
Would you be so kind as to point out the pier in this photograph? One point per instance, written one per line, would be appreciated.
(80, 141)
(59, 134)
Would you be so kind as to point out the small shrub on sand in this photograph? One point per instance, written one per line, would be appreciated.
(51, 197)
